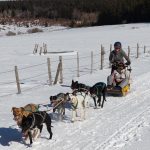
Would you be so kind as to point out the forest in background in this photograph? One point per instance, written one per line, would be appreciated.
(76, 12)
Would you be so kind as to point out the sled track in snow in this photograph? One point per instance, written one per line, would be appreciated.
(124, 131)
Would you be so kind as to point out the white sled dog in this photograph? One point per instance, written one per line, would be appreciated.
(77, 105)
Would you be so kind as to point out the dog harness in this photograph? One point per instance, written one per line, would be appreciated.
(33, 122)
(29, 109)
(74, 104)
(100, 85)
(33, 117)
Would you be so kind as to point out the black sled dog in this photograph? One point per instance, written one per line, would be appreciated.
(79, 87)
(98, 90)
(36, 119)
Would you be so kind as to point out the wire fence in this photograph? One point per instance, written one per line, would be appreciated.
(64, 69)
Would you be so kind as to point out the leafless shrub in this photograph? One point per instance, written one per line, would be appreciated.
(34, 30)
(10, 33)
(19, 33)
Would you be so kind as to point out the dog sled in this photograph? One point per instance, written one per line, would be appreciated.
(122, 88)
(119, 91)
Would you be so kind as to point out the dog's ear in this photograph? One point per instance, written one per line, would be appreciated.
(66, 94)
(50, 98)
(22, 109)
(72, 81)
(55, 97)
(74, 93)
(13, 108)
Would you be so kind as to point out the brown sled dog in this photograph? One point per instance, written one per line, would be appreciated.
(20, 112)
(23, 111)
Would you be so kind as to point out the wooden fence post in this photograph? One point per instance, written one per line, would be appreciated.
(35, 49)
(49, 71)
(137, 50)
(103, 53)
(91, 62)
(44, 48)
(110, 47)
(17, 80)
(144, 49)
(78, 75)
(61, 70)
(57, 73)
(110, 52)
(40, 50)
(128, 51)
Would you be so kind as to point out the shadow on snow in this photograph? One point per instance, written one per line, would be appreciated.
(8, 135)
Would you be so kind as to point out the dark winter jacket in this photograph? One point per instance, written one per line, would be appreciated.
(118, 57)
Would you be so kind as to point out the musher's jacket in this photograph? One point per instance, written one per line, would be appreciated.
(118, 57)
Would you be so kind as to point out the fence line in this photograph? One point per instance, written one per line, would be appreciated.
(89, 65)
(6, 71)
(32, 66)
(32, 88)
(7, 83)
(39, 75)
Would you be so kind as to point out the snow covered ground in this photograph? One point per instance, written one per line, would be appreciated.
(123, 123)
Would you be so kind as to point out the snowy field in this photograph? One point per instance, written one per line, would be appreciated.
(123, 123)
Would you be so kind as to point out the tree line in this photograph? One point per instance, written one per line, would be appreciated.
(79, 12)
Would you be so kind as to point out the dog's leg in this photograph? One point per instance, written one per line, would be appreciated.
(61, 114)
(25, 136)
(104, 98)
(48, 125)
(36, 133)
(30, 137)
(102, 103)
(99, 100)
(87, 103)
(104, 93)
(74, 113)
(82, 111)
(49, 130)
(63, 106)
(94, 98)
(40, 127)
